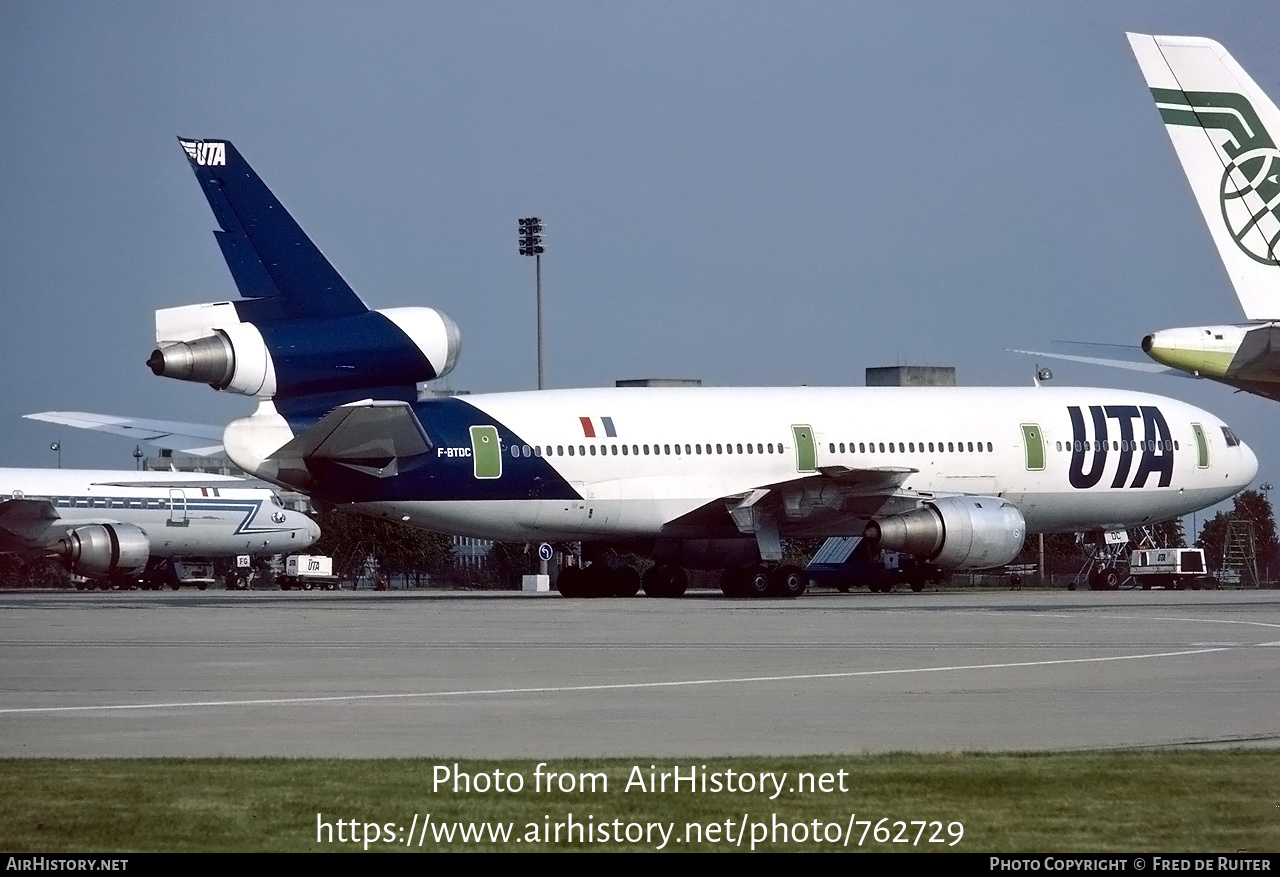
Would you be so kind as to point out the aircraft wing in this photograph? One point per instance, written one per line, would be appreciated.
(198, 439)
(836, 493)
(1129, 365)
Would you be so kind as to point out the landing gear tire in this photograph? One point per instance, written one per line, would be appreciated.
(733, 582)
(788, 581)
(665, 581)
(758, 584)
(571, 582)
(597, 581)
(626, 581)
(1106, 579)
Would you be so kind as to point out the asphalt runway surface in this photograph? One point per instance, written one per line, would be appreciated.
(484, 675)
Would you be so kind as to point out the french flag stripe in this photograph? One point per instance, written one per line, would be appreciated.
(608, 427)
(587, 429)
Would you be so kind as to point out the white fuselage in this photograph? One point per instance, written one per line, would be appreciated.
(192, 513)
(675, 451)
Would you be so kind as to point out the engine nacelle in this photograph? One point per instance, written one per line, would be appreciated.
(396, 347)
(104, 550)
(957, 532)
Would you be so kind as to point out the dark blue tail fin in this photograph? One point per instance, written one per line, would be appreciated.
(273, 262)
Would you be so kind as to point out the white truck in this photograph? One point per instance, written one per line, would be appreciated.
(308, 571)
(1170, 568)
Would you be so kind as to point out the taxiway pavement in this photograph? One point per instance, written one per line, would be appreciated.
(481, 675)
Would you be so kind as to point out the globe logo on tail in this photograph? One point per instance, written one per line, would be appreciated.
(1249, 191)
(1253, 221)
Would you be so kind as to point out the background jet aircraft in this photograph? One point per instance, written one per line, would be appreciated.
(710, 478)
(108, 525)
(1224, 129)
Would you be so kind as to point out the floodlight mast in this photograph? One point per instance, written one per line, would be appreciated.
(531, 245)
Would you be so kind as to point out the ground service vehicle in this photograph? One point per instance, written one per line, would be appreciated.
(308, 571)
(1170, 568)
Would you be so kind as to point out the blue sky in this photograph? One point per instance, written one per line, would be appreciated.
(749, 193)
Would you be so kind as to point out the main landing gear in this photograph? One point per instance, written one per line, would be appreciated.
(760, 581)
(599, 580)
(667, 580)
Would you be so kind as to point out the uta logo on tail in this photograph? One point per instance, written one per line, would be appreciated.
(207, 153)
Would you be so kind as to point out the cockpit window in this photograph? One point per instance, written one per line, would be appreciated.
(1230, 436)
(275, 501)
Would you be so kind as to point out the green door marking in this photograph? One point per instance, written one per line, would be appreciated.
(806, 452)
(1202, 447)
(1033, 441)
(486, 452)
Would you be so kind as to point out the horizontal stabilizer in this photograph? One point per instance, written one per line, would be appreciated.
(370, 430)
(25, 523)
(198, 439)
(13, 510)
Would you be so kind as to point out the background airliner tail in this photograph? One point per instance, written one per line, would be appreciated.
(1224, 129)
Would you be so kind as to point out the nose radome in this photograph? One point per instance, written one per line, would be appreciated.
(1250, 463)
(313, 530)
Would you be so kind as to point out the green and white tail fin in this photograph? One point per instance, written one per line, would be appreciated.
(1225, 131)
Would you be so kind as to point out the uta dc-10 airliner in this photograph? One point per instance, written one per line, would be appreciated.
(696, 477)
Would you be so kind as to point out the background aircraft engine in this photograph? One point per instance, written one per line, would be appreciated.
(395, 347)
(957, 532)
(103, 550)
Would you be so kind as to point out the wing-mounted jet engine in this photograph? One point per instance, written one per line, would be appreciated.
(957, 532)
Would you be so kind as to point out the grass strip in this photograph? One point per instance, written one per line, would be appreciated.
(1165, 801)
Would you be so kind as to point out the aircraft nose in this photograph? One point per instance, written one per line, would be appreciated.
(312, 530)
(1250, 461)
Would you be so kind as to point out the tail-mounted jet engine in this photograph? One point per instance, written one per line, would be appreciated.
(104, 550)
(957, 532)
(209, 344)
